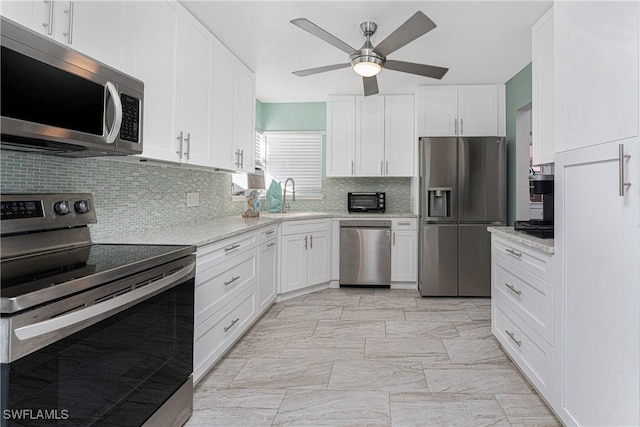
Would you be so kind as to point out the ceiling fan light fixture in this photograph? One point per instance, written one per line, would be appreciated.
(367, 65)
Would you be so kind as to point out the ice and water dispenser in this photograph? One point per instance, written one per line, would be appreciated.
(439, 199)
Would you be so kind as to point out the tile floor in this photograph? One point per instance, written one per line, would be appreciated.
(369, 357)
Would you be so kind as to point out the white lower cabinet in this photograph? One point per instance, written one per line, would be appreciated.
(267, 287)
(522, 309)
(306, 254)
(404, 250)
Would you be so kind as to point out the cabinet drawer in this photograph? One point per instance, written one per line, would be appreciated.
(536, 262)
(219, 332)
(398, 224)
(528, 296)
(528, 351)
(304, 226)
(267, 233)
(209, 255)
(217, 285)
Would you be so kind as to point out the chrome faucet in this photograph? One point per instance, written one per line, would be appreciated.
(284, 194)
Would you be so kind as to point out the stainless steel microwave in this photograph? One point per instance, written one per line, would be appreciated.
(366, 202)
(58, 101)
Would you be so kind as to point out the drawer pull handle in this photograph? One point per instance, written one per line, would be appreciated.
(270, 232)
(271, 244)
(230, 248)
(233, 322)
(513, 289)
(514, 252)
(512, 336)
(231, 281)
(404, 223)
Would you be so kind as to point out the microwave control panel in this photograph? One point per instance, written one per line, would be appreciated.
(129, 129)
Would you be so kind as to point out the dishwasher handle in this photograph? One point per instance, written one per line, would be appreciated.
(365, 223)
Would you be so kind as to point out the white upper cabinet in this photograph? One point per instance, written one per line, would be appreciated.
(597, 79)
(474, 110)
(400, 142)
(370, 136)
(153, 47)
(195, 50)
(233, 112)
(94, 28)
(341, 135)
(542, 97)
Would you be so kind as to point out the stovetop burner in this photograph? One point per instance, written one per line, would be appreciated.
(537, 228)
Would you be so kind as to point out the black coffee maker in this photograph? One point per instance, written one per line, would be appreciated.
(540, 184)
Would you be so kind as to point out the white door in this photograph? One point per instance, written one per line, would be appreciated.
(266, 289)
(98, 30)
(399, 141)
(152, 45)
(319, 257)
(597, 249)
(341, 134)
(222, 118)
(244, 112)
(194, 80)
(437, 110)
(293, 274)
(370, 136)
(478, 110)
(542, 94)
(596, 72)
(36, 15)
(404, 256)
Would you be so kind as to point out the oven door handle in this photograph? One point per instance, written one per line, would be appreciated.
(80, 319)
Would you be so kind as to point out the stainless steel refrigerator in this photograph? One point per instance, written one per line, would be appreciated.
(462, 192)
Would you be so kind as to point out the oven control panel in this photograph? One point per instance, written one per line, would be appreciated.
(33, 212)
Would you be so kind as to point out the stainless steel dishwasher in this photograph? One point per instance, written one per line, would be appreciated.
(365, 252)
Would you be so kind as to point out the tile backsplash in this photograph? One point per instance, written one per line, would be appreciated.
(132, 196)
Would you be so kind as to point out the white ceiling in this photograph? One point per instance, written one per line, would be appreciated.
(479, 41)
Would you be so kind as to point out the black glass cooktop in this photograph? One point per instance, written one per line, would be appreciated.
(87, 266)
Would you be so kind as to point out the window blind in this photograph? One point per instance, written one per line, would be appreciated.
(298, 156)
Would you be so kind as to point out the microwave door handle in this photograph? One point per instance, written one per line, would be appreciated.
(115, 129)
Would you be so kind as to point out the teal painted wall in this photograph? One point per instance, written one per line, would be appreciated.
(518, 94)
(295, 116)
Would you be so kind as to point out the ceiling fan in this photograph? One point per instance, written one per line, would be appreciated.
(368, 61)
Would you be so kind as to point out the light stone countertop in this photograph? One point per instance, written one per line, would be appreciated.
(203, 233)
(544, 245)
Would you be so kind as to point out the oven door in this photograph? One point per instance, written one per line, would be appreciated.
(363, 202)
(115, 372)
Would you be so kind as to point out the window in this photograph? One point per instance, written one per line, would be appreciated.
(287, 154)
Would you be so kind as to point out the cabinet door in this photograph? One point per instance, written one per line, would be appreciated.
(597, 245)
(437, 110)
(36, 15)
(341, 121)
(293, 272)
(404, 256)
(244, 112)
(223, 99)
(597, 87)
(319, 257)
(194, 88)
(399, 141)
(153, 47)
(267, 280)
(543, 103)
(369, 136)
(97, 30)
(478, 110)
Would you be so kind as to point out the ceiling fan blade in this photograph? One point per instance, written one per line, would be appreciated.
(370, 85)
(420, 69)
(310, 71)
(312, 28)
(416, 26)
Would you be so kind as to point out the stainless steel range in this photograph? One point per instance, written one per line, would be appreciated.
(92, 334)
